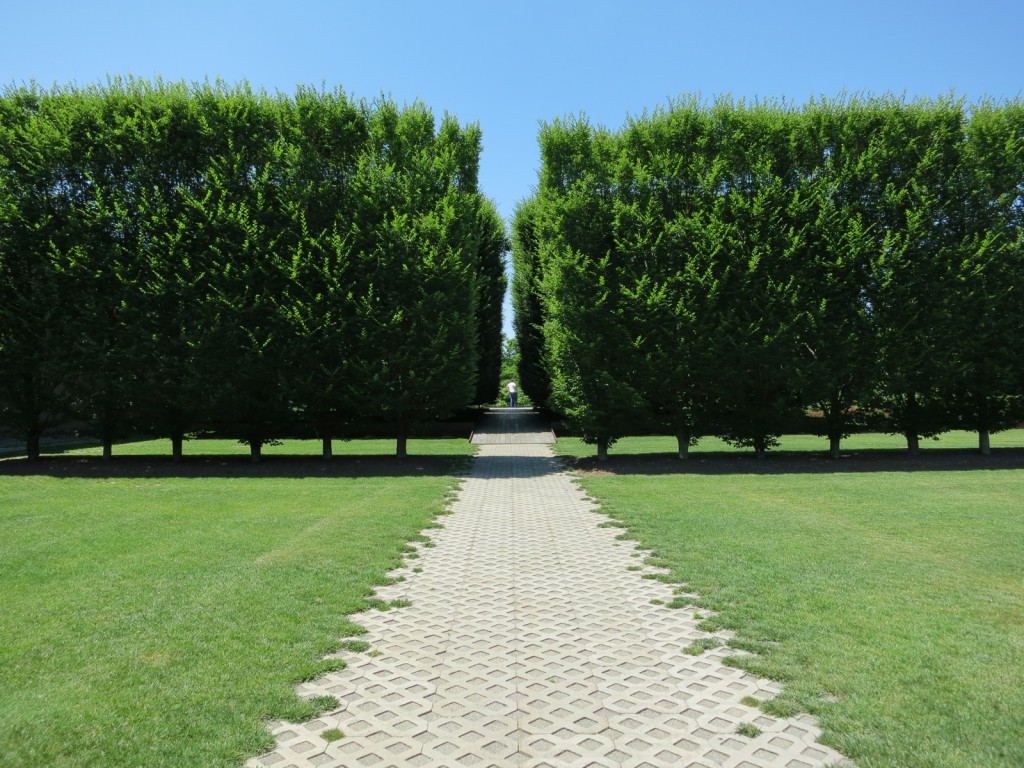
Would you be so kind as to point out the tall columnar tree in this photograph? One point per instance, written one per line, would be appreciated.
(416, 354)
(172, 266)
(111, 133)
(318, 309)
(666, 176)
(912, 160)
(491, 284)
(759, 320)
(592, 356)
(36, 231)
(838, 345)
(246, 245)
(528, 311)
(987, 262)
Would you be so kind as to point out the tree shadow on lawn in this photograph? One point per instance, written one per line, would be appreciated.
(285, 466)
(241, 466)
(800, 462)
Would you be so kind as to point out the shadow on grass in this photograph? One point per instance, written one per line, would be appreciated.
(800, 462)
(236, 466)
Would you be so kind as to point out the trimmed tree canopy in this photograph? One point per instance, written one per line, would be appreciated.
(179, 258)
(724, 269)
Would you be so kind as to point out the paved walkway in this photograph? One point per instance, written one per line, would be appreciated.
(516, 426)
(531, 639)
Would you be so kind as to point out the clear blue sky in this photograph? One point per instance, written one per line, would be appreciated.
(508, 66)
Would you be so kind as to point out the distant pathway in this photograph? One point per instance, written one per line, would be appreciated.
(517, 426)
(532, 640)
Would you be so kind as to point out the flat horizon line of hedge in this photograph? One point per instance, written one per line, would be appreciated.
(718, 269)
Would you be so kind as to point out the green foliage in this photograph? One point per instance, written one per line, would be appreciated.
(415, 351)
(179, 258)
(722, 269)
(491, 285)
(987, 256)
(35, 230)
(590, 352)
(528, 312)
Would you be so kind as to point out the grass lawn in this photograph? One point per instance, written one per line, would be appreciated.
(871, 443)
(224, 447)
(155, 616)
(890, 602)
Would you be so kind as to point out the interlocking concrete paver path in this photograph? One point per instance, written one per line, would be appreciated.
(501, 426)
(532, 640)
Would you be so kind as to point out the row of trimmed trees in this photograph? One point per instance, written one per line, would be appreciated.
(728, 269)
(178, 258)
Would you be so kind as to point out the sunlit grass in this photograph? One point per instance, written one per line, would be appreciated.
(159, 621)
(890, 604)
(313, 448)
(956, 440)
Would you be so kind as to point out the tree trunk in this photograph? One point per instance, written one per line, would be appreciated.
(32, 445)
(912, 416)
(328, 448)
(834, 442)
(602, 449)
(402, 443)
(683, 441)
(761, 449)
(984, 443)
(176, 445)
(108, 447)
(255, 451)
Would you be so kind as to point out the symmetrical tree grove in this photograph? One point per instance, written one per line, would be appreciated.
(178, 258)
(726, 269)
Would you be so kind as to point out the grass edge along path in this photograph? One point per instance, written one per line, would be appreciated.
(890, 604)
(161, 621)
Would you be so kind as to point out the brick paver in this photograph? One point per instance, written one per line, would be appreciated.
(531, 639)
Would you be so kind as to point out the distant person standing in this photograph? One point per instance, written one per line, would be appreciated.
(513, 396)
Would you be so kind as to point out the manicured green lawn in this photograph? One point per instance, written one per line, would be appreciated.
(890, 603)
(955, 440)
(224, 447)
(160, 620)
(341, 448)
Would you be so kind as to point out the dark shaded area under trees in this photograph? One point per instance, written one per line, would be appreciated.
(728, 269)
(177, 259)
